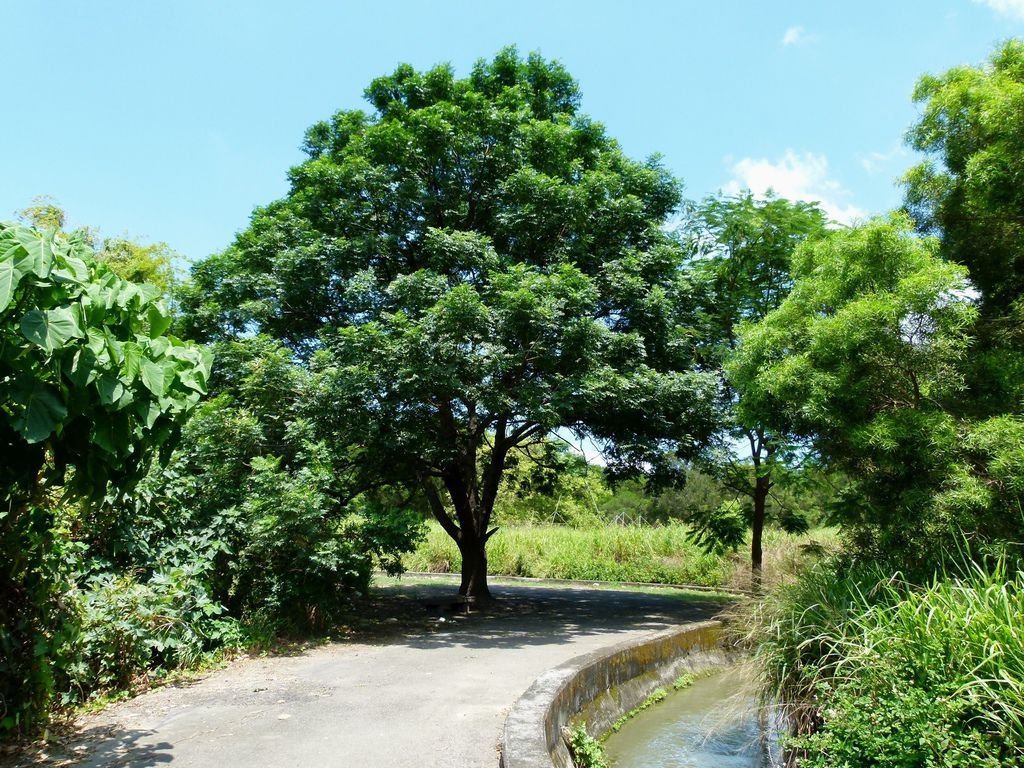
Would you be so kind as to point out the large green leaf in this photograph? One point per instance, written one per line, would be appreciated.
(148, 412)
(8, 282)
(110, 388)
(37, 412)
(159, 320)
(52, 328)
(158, 346)
(11, 248)
(154, 376)
(37, 253)
(74, 270)
(81, 369)
(132, 364)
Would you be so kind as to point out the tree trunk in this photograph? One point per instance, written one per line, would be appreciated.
(762, 484)
(474, 567)
(472, 545)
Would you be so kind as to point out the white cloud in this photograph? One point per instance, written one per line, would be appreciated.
(794, 36)
(1014, 8)
(795, 177)
(877, 162)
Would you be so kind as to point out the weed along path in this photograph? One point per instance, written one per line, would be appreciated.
(420, 686)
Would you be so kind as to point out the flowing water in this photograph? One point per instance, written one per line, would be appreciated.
(711, 724)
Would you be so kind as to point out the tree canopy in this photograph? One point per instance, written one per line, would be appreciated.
(969, 191)
(467, 268)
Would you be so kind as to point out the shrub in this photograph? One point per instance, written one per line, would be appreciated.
(129, 627)
(880, 673)
(302, 558)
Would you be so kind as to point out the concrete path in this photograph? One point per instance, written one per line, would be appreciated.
(433, 697)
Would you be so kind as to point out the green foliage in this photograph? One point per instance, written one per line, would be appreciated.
(741, 250)
(874, 325)
(90, 387)
(468, 268)
(969, 192)
(288, 541)
(127, 627)
(43, 214)
(152, 263)
(303, 558)
(87, 370)
(966, 193)
(885, 674)
(128, 259)
(863, 358)
(35, 615)
(549, 484)
(898, 727)
(721, 530)
(586, 751)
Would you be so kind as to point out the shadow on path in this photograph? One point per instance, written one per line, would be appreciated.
(522, 616)
(103, 745)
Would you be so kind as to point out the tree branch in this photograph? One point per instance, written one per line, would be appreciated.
(438, 510)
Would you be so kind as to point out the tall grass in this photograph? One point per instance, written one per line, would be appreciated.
(650, 554)
(876, 672)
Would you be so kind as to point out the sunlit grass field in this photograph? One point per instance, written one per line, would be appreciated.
(663, 554)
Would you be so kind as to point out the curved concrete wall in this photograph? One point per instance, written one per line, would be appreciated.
(600, 687)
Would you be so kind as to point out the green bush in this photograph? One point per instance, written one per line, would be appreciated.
(36, 577)
(880, 673)
(128, 627)
(287, 545)
(301, 561)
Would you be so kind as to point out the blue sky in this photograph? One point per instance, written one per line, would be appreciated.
(170, 121)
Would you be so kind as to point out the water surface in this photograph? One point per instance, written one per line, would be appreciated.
(711, 724)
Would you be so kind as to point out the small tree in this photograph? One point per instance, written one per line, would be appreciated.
(863, 359)
(741, 251)
(469, 267)
(90, 386)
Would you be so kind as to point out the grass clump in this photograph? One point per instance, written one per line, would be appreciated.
(876, 672)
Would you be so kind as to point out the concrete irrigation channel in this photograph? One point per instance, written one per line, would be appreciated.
(433, 688)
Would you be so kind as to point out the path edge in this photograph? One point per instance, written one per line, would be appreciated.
(600, 687)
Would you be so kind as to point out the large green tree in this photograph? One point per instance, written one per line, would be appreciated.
(740, 253)
(468, 267)
(90, 386)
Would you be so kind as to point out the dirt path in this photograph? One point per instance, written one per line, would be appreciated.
(434, 693)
